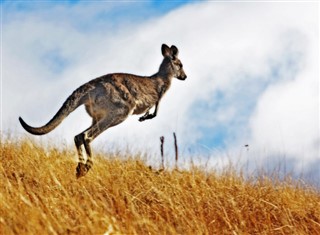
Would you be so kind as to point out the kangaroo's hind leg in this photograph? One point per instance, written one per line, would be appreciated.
(83, 165)
(86, 137)
(80, 140)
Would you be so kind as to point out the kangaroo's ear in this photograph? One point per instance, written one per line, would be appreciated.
(165, 50)
(174, 51)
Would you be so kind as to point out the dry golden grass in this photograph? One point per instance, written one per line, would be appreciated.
(40, 195)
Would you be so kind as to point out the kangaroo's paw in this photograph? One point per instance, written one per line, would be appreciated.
(145, 117)
(141, 119)
(82, 169)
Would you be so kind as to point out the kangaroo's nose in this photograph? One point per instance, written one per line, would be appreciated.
(182, 77)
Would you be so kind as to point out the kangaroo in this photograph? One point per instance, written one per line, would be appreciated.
(111, 98)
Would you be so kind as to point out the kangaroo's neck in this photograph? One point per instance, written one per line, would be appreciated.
(163, 81)
(164, 75)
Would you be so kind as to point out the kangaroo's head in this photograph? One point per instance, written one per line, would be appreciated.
(171, 66)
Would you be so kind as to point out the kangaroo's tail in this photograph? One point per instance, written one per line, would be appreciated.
(73, 101)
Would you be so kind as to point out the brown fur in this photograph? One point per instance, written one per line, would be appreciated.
(111, 98)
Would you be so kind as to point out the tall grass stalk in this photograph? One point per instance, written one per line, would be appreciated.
(40, 194)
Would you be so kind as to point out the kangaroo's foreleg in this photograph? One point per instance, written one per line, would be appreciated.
(147, 115)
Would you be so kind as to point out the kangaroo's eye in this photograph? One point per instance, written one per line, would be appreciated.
(179, 65)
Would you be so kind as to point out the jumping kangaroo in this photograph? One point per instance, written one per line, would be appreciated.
(111, 98)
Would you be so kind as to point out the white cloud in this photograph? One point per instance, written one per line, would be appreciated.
(286, 119)
(260, 57)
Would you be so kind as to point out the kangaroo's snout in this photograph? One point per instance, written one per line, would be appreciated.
(182, 76)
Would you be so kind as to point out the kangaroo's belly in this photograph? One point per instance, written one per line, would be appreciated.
(142, 107)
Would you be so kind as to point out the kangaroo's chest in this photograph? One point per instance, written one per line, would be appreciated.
(144, 101)
(143, 105)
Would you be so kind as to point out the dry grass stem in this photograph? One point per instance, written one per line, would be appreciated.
(40, 195)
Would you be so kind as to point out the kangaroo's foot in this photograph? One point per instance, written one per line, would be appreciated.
(82, 169)
(145, 117)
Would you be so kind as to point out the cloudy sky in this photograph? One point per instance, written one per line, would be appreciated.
(253, 75)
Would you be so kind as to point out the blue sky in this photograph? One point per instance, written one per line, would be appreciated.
(113, 15)
(252, 73)
(126, 10)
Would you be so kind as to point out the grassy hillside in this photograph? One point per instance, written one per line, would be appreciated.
(40, 194)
